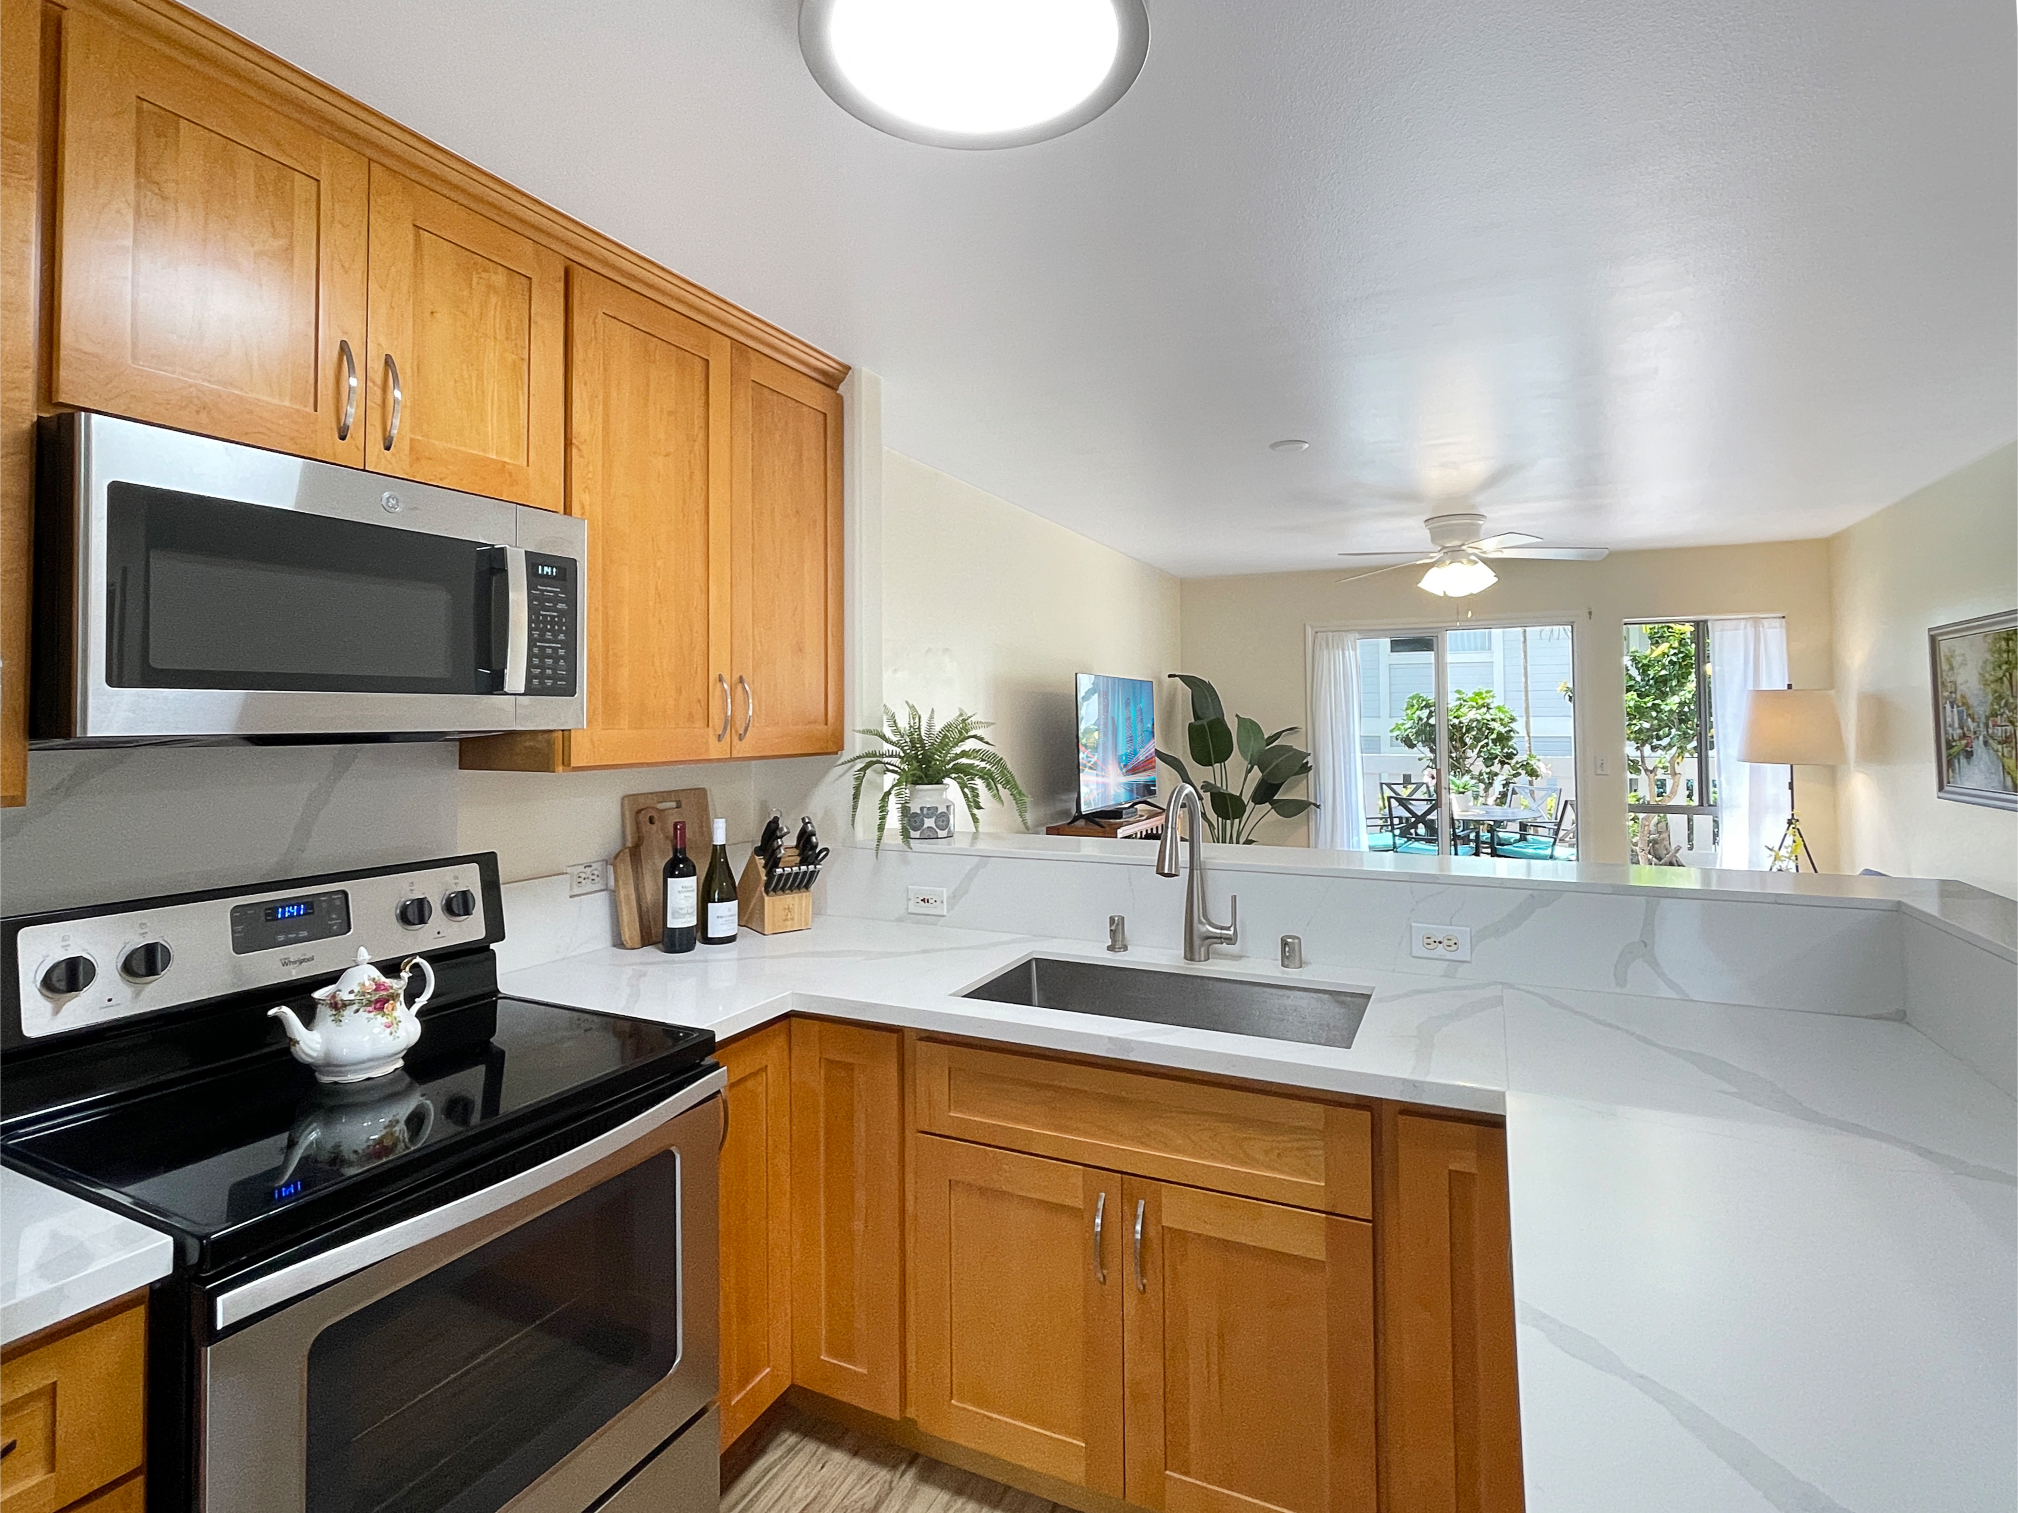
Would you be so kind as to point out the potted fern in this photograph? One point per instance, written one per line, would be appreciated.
(925, 762)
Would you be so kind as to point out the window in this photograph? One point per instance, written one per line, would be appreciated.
(1670, 740)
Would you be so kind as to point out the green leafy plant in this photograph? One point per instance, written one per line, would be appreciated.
(919, 752)
(1661, 734)
(1486, 754)
(1269, 767)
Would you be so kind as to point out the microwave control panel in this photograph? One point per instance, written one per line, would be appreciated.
(551, 654)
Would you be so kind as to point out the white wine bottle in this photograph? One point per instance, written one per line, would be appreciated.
(718, 894)
(682, 893)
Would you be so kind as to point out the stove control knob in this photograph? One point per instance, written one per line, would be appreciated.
(414, 912)
(69, 976)
(460, 904)
(146, 961)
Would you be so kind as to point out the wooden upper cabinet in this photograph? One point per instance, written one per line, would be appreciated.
(1018, 1269)
(847, 1213)
(649, 448)
(212, 254)
(1450, 1400)
(465, 380)
(1250, 1345)
(786, 584)
(756, 1287)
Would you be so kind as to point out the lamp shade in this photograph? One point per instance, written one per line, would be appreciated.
(1796, 727)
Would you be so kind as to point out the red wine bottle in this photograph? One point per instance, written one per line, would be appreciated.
(718, 894)
(682, 895)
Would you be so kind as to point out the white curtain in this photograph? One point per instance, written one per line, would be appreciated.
(1339, 822)
(1751, 799)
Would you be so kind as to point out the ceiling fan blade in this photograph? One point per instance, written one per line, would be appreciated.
(1555, 553)
(1503, 540)
(1394, 559)
(1392, 567)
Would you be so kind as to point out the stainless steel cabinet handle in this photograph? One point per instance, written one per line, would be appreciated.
(1141, 1282)
(349, 390)
(392, 420)
(750, 716)
(728, 707)
(1099, 1223)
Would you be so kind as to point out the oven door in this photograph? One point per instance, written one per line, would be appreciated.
(527, 1347)
(216, 591)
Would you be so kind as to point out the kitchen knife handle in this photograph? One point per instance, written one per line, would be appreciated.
(392, 420)
(349, 390)
(728, 708)
(750, 714)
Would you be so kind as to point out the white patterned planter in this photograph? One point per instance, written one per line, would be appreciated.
(931, 813)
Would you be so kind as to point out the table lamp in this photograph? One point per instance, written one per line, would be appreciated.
(1792, 727)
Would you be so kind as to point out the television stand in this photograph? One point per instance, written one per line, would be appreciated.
(1134, 822)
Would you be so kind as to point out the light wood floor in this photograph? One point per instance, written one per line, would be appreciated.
(804, 1465)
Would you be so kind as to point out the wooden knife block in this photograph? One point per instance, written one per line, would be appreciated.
(771, 913)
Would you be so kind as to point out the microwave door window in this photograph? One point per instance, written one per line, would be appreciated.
(213, 593)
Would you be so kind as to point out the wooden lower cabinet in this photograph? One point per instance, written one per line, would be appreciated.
(1250, 1355)
(1017, 1282)
(847, 1213)
(72, 1411)
(756, 1228)
(1450, 1400)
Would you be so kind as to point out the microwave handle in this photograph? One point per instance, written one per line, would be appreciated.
(517, 621)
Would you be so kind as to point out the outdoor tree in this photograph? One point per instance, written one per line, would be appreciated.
(1661, 732)
(1486, 754)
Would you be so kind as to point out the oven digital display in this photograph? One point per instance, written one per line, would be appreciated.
(271, 924)
(549, 570)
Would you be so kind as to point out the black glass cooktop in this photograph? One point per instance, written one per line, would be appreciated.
(255, 1148)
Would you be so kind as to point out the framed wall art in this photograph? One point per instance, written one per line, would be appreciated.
(1975, 666)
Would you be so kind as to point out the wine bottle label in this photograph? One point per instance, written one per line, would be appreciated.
(721, 920)
(681, 893)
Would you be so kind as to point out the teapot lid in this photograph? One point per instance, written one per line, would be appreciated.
(361, 975)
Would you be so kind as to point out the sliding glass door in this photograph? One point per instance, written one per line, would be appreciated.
(1467, 741)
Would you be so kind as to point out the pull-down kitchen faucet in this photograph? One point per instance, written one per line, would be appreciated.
(1200, 933)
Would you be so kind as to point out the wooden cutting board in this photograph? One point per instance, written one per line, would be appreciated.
(689, 804)
(624, 878)
(653, 851)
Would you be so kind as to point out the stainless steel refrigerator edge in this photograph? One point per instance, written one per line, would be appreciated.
(73, 703)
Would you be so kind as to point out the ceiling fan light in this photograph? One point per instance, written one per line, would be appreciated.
(1458, 577)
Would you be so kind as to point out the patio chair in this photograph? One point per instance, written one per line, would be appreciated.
(1539, 840)
(1411, 817)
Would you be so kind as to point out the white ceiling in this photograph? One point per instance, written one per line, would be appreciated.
(1697, 270)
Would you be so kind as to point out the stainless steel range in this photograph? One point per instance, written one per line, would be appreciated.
(486, 1281)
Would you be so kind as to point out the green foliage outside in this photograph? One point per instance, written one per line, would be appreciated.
(1661, 734)
(1269, 767)
(1486, 754)
(921, 751)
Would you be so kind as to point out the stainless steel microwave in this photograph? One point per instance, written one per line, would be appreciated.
(195, 591)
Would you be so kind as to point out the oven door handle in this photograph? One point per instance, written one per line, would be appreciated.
(261, 1293)
(518, 621)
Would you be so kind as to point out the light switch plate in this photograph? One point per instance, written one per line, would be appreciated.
(1439, 942)
(926, 900)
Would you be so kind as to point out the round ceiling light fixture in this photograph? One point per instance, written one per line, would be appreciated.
(1457, 575)
(974, 73)
(1289, 444)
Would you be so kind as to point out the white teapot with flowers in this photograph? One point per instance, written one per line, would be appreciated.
(363, 1024)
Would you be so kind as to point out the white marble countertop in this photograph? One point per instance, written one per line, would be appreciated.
(1762, 1259)
(60, 1256)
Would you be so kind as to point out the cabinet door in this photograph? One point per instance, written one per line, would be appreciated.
(465, 383)
(787, 561)
(211, 263)
(756, 1226)
(1250, 1355)
(1451, 1405)
(1017, 1279)
(649, 450)
(847, 1213)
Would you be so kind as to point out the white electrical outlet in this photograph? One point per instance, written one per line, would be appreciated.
(1439, 942)
(587, 877)
(926, 900)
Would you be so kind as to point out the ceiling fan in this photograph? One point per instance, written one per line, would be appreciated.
(1460, 549)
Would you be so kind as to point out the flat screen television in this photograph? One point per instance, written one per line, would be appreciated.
(1117, 742)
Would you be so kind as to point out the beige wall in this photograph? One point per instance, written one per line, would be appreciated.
(1247, 635)
(1948, 552)
(990, 608)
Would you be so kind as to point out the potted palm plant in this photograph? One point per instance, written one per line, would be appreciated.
(925, 762)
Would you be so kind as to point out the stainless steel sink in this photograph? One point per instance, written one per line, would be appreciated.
(1194, 1000)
